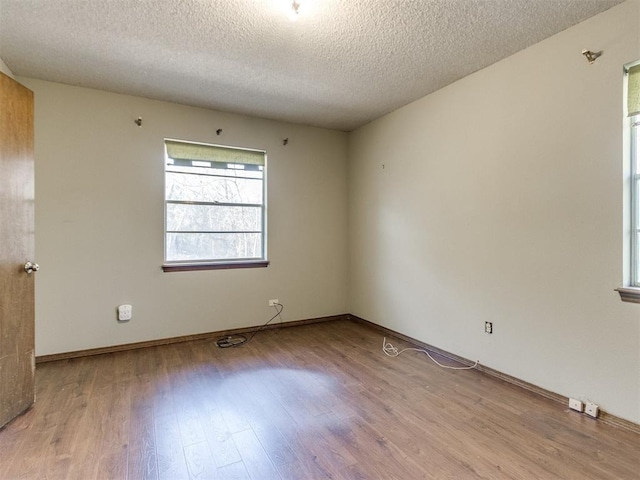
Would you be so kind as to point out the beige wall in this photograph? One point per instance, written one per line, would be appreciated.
(99, 222)
(501, 200)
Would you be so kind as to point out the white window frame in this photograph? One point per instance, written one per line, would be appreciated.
(215, 263)
(634, 209)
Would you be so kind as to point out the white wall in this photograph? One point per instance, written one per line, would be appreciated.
(99, 222)
(501, 200)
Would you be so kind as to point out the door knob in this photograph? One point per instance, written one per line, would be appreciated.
(31, 267)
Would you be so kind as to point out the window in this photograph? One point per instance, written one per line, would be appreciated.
(214, 207)
(631, 291)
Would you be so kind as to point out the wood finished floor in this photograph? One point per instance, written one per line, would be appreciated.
(310, 402)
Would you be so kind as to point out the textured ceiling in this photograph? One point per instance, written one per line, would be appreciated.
(340, 65)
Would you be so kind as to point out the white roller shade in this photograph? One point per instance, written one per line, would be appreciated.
(212, 153)
(633, 91)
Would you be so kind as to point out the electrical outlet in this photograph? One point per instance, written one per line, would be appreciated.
(488, 327)
(274, 302)
(591, 409)
(125, 312)
(576, 405)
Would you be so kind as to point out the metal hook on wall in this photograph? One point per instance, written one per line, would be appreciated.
(138, 121)
(218, 131)
(285, 141)
(591, 56)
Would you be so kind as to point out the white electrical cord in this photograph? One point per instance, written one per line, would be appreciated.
(391, 351)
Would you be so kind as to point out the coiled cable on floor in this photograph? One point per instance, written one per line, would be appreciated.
(239, 339)
(391, 351)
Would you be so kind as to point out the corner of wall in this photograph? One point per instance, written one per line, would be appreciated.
(4, 69)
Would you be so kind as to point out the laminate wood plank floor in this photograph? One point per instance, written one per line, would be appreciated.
(317, 401)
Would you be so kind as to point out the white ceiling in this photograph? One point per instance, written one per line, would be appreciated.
(340, 65)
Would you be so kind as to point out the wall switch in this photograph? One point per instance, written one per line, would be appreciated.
(488, 327)
(274, 302)
(125, 313)
(591, 409)
(575, 405)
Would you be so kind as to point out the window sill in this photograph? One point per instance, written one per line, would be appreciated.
(189, 267)
(629, 294)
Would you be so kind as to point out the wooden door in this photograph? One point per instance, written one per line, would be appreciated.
(17, 357)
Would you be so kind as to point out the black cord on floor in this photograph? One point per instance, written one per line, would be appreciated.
(239, 339)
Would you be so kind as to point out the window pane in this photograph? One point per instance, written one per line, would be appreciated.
(634, 148)
(213, 246)
(635, 210)
(228, 170)
(206, 188)
(213, 218)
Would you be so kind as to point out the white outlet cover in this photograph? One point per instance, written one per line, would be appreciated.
(125, 312)
(591, 409)
(575, 405)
